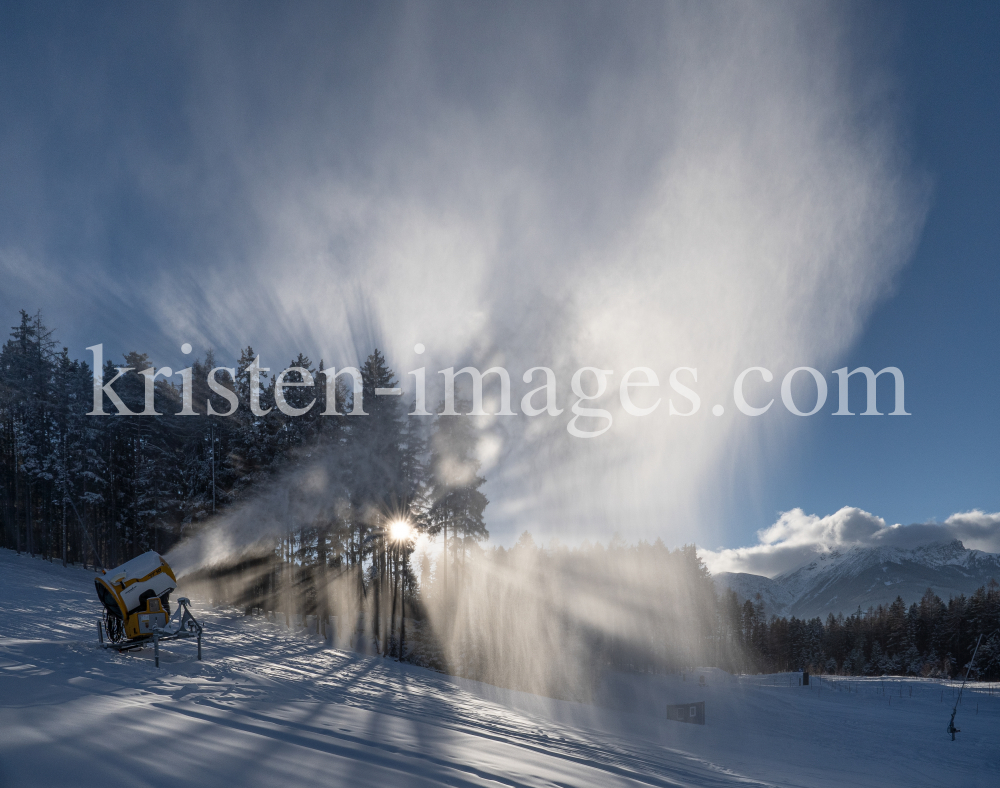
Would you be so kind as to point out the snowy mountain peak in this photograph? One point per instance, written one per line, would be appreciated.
(838, 581)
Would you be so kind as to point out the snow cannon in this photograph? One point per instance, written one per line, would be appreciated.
(136, 598)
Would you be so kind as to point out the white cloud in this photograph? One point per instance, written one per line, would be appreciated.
(797, 537)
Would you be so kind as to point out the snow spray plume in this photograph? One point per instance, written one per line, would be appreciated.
(301, 496)
(707, 185)
(547, 621)
(552, 622)
(270, 550)
(661, 185)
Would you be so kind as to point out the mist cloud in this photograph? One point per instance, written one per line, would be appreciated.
(722, 196)
(797, 538)
(705, 185)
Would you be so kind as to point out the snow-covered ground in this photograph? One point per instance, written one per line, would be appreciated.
(271, 707)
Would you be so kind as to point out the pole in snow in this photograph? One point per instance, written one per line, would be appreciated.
(951, 723)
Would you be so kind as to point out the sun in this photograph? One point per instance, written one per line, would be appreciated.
(400, 530)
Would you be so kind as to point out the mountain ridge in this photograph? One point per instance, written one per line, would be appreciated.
(841, 581)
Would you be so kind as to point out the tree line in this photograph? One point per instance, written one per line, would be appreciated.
(927, 638)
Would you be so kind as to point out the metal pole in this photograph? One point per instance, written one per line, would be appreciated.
(951, 724)
(199, 644)
(156, 650)
(969, 669)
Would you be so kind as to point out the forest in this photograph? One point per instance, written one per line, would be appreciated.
(926, 638)
(336, 554)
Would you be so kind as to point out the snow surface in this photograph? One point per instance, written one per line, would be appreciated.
(269, 706)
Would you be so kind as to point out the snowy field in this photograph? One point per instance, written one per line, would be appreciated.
(270, 707)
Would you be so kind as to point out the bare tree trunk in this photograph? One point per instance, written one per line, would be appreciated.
(377, 588)
(64, 503)
(387, 588)
(17, 491)
(286, 580)
(402, 609)
(27, 509)
(391, 589)
(322, 591)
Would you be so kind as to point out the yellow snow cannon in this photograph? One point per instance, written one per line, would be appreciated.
(136, 599)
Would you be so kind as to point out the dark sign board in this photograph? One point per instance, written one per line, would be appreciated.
(687, 712)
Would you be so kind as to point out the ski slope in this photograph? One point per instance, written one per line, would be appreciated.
(269, 706)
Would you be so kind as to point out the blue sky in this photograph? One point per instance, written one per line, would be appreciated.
(498, 182)
(940, 325)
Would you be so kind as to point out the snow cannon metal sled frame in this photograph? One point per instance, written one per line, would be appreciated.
(136, 599)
